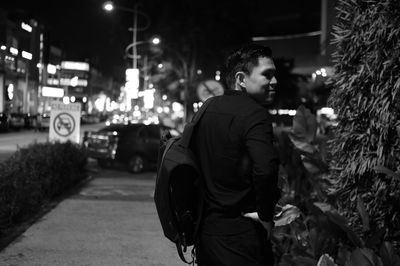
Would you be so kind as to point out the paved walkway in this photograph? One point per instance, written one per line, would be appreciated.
(111, 221)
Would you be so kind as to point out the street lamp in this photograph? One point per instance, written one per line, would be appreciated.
(132, 75)
(156, 40)
(108, 6)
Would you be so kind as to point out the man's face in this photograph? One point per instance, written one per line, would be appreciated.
(261, 82)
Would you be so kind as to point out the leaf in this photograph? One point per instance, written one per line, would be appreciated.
(302, 144)
(363, 257)
(388, 256)
(383, 170)
(314, 164)
(315, 240)
(325, 207)
(287, 260)
(343, 255)
(311, 168)
(287, 215)
(340, 221)
(326, 260)
(304, 261)
(304, 124)
(376, 238)
(363, 213)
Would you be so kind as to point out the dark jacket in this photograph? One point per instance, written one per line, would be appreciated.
(234, 146)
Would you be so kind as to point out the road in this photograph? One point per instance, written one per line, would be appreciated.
(10, 141)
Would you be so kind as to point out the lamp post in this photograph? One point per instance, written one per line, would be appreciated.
(109, 6)
(132, 75)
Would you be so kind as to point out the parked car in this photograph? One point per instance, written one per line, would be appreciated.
(135, 145)
(90, 119)
(43, 121)
(17, 121)
(30, 120)
(4, 121)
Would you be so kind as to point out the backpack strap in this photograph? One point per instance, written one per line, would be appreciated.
(188, 131)
(181, 255)
(185, 141)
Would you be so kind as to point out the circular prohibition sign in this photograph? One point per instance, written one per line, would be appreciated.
(64, 124)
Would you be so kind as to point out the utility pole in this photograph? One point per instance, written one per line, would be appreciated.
(134, 32)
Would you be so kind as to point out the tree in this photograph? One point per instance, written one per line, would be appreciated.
(366, 96)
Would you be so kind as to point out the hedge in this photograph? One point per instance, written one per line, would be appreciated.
(366, 95)
(36, 174)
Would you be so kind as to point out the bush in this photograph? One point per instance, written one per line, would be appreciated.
(309, 230)
(366, 95)
(36, 174)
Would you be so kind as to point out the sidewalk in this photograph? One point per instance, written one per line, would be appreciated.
(111, 221)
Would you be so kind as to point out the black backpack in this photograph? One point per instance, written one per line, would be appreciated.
(178, 193)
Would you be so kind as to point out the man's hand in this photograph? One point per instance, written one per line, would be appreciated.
(266, 225)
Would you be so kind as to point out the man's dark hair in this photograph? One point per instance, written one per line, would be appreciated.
(244, 59)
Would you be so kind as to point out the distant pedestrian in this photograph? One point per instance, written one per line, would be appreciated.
(234, 146)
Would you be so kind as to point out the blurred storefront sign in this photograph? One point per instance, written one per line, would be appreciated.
(73, 82)
(71, 65)
(52, 92)
(132, 83)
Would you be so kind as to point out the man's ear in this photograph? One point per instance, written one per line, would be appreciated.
(240, 78)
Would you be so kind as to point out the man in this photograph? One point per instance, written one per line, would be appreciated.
(234, 146)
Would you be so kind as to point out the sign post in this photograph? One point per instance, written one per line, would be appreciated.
(65, 120)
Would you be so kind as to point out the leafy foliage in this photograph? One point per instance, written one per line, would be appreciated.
(309, 230)
(36, 174)
(366, 96)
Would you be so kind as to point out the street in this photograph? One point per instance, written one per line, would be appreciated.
(9, 141)
(111, 221)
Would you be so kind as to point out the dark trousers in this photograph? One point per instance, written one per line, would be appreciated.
(251, 248)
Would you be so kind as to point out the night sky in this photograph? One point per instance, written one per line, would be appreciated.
(211, 28)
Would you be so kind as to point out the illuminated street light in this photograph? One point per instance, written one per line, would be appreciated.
(108, 6)
(156, 40)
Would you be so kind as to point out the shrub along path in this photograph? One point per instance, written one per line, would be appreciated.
(111, 221)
